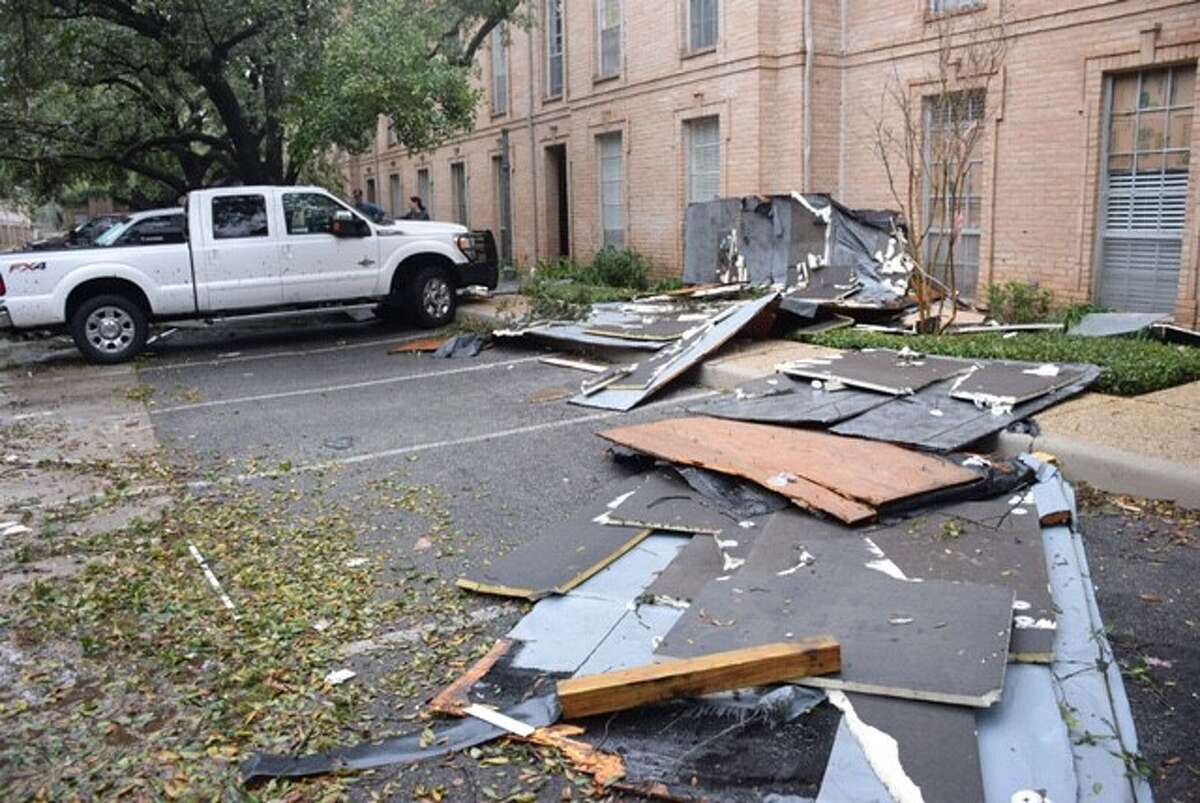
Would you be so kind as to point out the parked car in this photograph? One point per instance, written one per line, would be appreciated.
(82, 236)
(152, 227)
(248, 251)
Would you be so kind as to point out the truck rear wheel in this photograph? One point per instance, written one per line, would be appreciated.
(432, 297)
(109, 328)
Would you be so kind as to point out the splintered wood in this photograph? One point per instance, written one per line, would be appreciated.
(844, 477)
(630, 688)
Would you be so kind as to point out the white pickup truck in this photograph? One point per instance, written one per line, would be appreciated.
(249, 251)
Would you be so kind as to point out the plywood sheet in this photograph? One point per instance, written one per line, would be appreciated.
(560, 558)
(883, 370)
(846, 478)
(933, 640)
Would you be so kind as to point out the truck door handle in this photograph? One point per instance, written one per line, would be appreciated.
(366, 262)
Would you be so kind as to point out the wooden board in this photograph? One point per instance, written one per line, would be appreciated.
(846, 478)
(933, 640)
(630, 688)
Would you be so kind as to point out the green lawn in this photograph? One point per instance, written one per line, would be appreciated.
(1132, 365)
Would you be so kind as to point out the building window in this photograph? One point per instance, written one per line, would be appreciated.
(954, 187)
(371, 191)
(425, 189)
(499, 70)
(951, 6)
(702, 24)
(612, 189)
(704, 159)
(391, 132)
(396, 192)
(555, 69)
(609, 25)
(458, 191)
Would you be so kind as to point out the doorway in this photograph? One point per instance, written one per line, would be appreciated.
(558, 213)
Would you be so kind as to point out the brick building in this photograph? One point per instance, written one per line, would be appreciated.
(603, 121)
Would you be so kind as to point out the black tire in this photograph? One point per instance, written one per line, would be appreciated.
(431, 297)
(109, 328)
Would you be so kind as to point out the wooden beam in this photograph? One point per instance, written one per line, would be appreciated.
(736, 669)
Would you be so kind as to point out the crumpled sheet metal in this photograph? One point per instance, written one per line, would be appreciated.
(538, 712)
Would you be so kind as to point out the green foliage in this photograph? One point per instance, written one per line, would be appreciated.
(564, 289)
(1132, 365)
(156, 98)
(1019, 302)
(621, 267)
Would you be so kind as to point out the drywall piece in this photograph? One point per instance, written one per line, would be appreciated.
(814, 469)
(916, 751)
(1004, 384)
(898, 373)
(574, 334)
(632, 641)
(1023, 742)
(1110, 324)
(995, 541)
(766, 664)
(802, 404)
(931, 640)
(932, 420)
(700, 561)
(665, 502)
(560, 633)
(561, 558)
(663, 368)
(624, 579)
(1087, 680)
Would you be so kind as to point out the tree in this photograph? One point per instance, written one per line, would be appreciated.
(158, 97)
(928, 137)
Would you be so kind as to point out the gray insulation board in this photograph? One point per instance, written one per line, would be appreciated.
(1012, 382)
(663, 502)
(995, 541)
(574, 334)
(934, 640)
(659, 329)
(938, 748)
(677, 364)
(682, 581)
(803, 404)
(1109, 324)
(554, 560)
(930, 419)
(881, 370)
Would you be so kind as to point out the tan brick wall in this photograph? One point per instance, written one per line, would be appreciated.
(1041, 157)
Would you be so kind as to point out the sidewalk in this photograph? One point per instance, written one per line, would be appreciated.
(1147, 446)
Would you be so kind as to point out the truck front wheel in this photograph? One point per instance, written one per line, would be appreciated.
(109, 328)
(432, 297)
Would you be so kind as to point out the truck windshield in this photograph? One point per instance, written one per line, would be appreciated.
(109, 237)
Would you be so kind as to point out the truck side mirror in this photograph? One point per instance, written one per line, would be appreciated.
(347, 225)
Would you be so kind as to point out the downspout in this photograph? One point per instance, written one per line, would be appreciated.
(808, 104)
(533, 170)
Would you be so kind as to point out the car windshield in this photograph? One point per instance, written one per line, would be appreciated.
(109, 237)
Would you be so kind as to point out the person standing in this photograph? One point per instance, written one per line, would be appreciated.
(373, 212)
(416, 209)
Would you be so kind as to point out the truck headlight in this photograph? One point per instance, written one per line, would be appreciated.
(466, 245)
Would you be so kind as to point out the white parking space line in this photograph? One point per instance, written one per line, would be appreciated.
(368, 457)
(266, 355)
(370, 383)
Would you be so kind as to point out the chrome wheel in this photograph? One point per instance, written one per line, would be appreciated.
(110, 330)
(436, 298)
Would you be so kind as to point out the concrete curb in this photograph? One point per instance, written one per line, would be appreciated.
(1112, 470)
